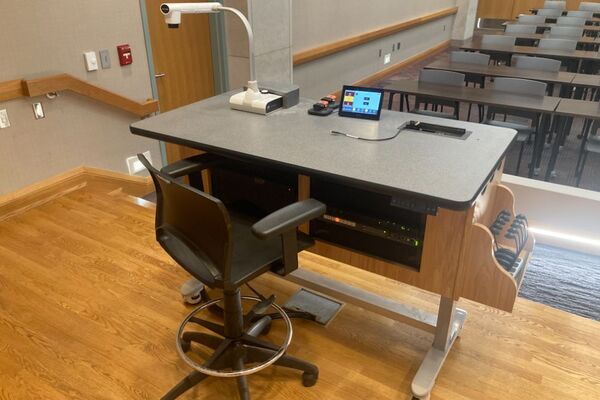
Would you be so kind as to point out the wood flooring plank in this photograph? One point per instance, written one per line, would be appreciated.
(89, 307)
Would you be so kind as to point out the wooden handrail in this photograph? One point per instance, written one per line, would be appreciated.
(340, 45)
(10, 90)
(17, 88)
(56, 83)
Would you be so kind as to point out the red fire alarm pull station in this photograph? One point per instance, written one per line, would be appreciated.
(124, 52)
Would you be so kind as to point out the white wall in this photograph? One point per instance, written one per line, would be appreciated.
(41, 37)
(316, 23)
(561, 209)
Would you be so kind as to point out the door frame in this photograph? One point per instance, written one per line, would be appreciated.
(218, 43)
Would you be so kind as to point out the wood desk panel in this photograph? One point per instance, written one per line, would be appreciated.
(439, 262)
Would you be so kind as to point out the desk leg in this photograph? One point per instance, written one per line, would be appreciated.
(563, 127)
(538, 145)
(450, 321)
(446, 326)
(391, 100)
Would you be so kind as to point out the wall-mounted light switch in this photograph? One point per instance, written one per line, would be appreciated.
(104, 59)
(91, 62)
(4, 122)
(387, 58)
(38, 111)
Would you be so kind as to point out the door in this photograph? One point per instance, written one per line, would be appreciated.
(182, 63)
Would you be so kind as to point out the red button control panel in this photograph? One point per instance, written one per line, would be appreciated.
(124, 52)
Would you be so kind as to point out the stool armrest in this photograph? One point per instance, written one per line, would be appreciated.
(191, 165)
(288, 218)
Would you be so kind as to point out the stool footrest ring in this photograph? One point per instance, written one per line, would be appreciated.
(227, 343)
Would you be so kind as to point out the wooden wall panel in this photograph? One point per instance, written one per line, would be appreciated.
(509, 9)
(495, 9)
(523, 6)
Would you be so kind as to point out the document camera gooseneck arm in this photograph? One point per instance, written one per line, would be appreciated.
(173, 11)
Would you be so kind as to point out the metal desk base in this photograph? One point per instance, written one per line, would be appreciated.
(450, 321)
(446, 326)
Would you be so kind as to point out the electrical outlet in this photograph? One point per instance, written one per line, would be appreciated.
(379, 53)
(134, 165)
(398, 46)
(38, 111)
(444, 29)
(4, 122)
(387, 58)
(393, 47)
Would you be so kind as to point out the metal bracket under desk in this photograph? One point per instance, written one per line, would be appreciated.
(446, 326)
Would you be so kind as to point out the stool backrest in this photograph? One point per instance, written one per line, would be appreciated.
(468, 57)
(550, 12)
(498, 40)
(561, 5)
(519, 86)
(570, 21)
(537, 63)
(440, 77)
(531, 19)
(193, 227)
(580, 14)
(566, 31)
(520, 28)
(558, 44)
(589, 6)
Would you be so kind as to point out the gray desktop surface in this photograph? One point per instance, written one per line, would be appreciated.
(447, 171)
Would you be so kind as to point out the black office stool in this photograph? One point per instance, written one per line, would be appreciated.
(227, 251)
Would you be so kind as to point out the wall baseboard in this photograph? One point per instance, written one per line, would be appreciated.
(328, 49)
(54, 187)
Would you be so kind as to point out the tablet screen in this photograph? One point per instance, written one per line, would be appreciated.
(361, 102)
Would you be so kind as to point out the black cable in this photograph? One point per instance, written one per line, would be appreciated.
(366, 139)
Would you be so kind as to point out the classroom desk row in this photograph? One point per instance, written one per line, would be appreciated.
(591, 29)
(578, 56)
(589, 21)
(535, 11)
(528, 39)
(492, 71)
(546, 106)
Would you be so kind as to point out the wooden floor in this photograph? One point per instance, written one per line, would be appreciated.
(89, 306)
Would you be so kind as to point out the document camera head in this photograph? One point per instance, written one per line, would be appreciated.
(173, 11)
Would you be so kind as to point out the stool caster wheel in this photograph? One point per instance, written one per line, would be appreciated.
(422, 398)
(309, 379)
(193, 292)
(267, 329)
